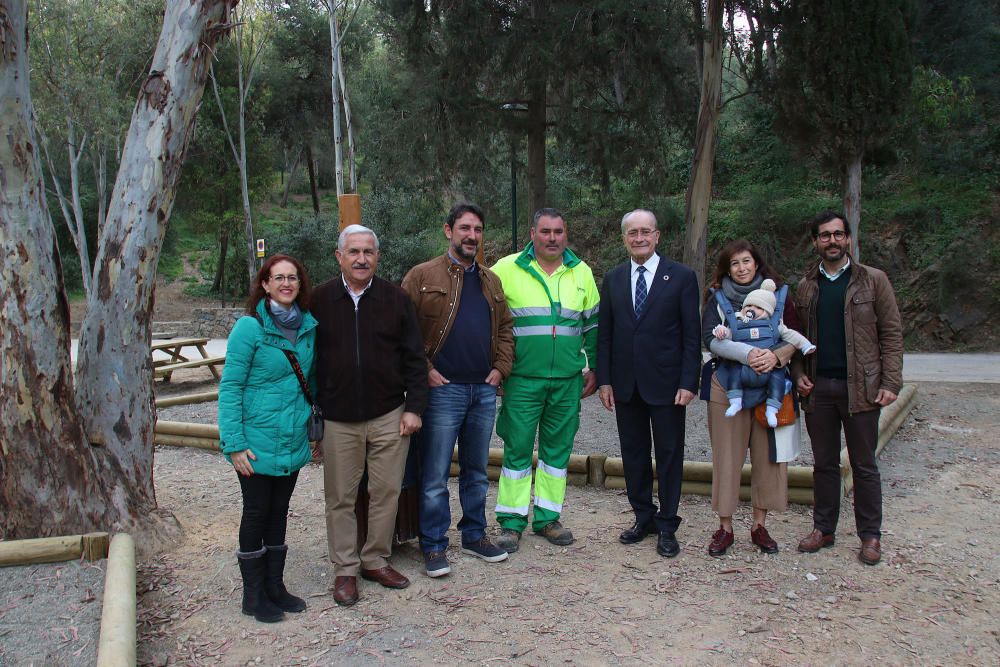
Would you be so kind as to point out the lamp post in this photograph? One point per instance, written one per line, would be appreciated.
(513, 175)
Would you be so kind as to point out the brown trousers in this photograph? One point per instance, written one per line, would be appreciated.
(347, 447)
(731, 436)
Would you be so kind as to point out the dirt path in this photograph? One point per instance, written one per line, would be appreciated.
(933, 599)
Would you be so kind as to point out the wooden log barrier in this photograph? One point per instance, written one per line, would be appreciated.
(797, 495)
(209, 431)
(889, 422)
(92, 546)
(187, 399)
(185, 441)
(701, 471)
(117, 643)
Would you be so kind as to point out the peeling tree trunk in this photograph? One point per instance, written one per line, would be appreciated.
(852, 202)
(338, 139)
(115, 370)
(699, 191)
(48, 477)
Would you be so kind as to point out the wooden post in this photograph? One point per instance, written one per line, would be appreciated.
(349, 206)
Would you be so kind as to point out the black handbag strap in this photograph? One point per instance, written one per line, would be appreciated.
(295, 366)
(298, 373)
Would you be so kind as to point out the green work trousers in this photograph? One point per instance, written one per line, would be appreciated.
(550, 407)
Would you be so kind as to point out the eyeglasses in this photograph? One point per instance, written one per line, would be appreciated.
(826, 236)
(291, 280)
(636, 233)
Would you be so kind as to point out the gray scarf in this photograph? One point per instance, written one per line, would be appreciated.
(288, 320)
(737, 293)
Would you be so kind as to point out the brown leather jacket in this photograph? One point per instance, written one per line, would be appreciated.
(436, 287)
(874, 333)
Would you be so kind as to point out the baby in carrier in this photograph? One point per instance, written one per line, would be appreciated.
(758, 324)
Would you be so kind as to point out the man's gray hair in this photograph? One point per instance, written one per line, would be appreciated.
(354, 229)
(638, 210)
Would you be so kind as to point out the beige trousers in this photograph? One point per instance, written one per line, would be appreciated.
(731, 436)
(347, 447)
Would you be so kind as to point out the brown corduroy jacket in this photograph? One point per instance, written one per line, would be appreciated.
(436, 289)
(874, 334)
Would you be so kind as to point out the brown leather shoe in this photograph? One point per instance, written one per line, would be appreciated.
(386, 576)
(762, 539)
(871, 551)
(721, 541)
(815, 541)
(345, 591)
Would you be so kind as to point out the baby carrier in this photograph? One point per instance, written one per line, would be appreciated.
(759, 333)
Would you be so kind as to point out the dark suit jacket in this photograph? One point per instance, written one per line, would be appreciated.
(658, 353)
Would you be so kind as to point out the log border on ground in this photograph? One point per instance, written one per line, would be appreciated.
(889, 421)
(92, 546)
(116, 647)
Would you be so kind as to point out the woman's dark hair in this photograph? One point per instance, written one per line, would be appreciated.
(257, 289)
(726, 255)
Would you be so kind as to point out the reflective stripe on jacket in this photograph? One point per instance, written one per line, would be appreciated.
(555, 316)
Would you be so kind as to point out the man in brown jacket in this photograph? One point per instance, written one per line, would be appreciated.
(469, 344)
(849, 311)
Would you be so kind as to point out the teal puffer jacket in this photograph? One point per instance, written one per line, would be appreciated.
(261, 404)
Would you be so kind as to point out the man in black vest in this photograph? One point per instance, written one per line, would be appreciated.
(849, 311)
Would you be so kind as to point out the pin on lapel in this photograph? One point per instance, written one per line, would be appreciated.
(666, 277)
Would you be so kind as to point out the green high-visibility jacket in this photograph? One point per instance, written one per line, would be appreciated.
(555, 317)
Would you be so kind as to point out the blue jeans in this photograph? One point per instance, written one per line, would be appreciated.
(462, 412)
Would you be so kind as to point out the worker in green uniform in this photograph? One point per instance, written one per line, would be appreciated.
(554, 300)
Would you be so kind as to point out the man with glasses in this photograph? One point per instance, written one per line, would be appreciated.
(849, 311)
(648, 359)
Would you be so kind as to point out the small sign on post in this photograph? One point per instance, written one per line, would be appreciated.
(260, 248)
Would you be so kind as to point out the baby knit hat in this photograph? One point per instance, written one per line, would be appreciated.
(763, 297)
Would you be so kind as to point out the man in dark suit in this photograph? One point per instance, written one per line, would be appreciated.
(648, 359)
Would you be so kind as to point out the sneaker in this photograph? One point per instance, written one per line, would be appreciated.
(436, 564)
(556, 534)
(508, 540)
(485, 550)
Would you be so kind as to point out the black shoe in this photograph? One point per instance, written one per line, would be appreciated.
(274, 583)
(636, 533)
(667, 545)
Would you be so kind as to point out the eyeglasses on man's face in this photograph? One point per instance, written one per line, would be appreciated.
(291, 280)
(636, 233)
(839, 235)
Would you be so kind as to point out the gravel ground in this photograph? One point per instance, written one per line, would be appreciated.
(50, 614)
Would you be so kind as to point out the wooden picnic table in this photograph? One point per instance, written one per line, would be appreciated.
(177, 358)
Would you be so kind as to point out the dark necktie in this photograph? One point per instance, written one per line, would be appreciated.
(640, 290)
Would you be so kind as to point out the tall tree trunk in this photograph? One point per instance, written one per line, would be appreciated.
(851, 185)
(313, 186)
(115, 369)
(698, 197)
(101, 178)
(48, 478)
(293, 169)
(251, 247)
(348, 119)
(537, 197)
(220, 267)
(338, 139)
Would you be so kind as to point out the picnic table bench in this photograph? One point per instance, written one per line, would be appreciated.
(177, 359)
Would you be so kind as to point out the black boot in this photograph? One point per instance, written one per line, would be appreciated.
(274, 583)
(255, 601)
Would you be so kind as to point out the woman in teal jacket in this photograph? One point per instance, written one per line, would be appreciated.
(262, 426)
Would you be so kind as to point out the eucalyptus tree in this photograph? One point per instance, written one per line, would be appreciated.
(844, 74)
(77, 449)
(86, 61)
(251, 33)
